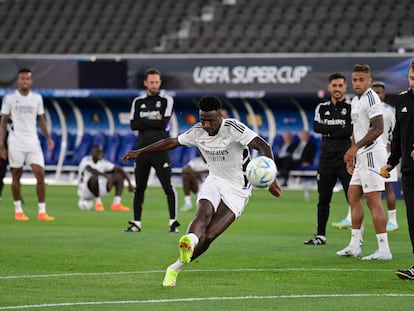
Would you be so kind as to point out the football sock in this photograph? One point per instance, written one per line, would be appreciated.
(42, 207)
(193, 238)
(178, 265)
(117, 199)
(355, 238)
(18, 206)
(392, 216)
(348, 216)
(383, 245)
(187, 200)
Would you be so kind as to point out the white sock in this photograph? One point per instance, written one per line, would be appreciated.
(171, 221)
(18, 206)
(116, 200)
(383, 245)
(137, 223)
(187, 200)
(194, 239)
(392, 216)
(355, 238)
(98, 200)
(348, 216)
(42, 207)
(178, 265)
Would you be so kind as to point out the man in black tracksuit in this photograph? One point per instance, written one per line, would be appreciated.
(150, 115)
(402, 147)
(333, 121)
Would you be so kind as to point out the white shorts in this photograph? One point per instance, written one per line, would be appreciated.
(85, 193)
(22, 152)
(214, 190)
(366, 172)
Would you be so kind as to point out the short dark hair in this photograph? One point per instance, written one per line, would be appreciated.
(362, 68)
(96, 147)
(209, 103)
(151, 71)
(378, 83)
(411, 66)
(336, 75)
(24, 70)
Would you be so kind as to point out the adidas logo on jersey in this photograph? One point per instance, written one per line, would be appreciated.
(404, 109)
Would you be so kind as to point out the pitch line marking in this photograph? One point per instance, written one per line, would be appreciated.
(156, 301)
(186, 271)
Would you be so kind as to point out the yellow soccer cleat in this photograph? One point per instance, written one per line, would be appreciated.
(186, 249)
(170, 278)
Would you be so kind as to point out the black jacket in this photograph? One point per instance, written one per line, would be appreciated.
(144, 112)
(403, 136)
(334, 123)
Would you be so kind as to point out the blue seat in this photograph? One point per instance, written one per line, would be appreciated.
(176, 157)
(128, 142)
(112, 146)
(188, 154)
(99, 139)
(80, 151)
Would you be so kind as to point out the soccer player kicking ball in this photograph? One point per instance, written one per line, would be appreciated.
(224, 143)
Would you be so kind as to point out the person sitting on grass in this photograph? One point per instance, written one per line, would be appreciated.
(194, 173)
(97, 176)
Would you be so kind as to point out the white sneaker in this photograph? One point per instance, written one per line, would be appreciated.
(343, 224)
(392, 227)
(349, 252)
(377, 255)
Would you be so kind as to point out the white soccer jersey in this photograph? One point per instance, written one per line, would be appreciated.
(23, 110)
(363, 110)
(389, 122)
(223, 152)
(102, 166)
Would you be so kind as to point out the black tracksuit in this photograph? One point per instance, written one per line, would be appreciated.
(401, 147)
(144, 112)
(334, 123)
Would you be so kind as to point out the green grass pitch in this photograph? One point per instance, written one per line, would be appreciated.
(83, 260)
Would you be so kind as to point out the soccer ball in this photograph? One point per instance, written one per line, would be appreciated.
(261, 172)
(85, 205)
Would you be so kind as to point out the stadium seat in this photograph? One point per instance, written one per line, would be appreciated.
(80, 151)
(90, 26)
(112, 146)
(128, 142)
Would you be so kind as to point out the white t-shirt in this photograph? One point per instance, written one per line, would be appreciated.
(102, 166)
(23, 110)
(225, 151)
(389, 122)
(363, 110)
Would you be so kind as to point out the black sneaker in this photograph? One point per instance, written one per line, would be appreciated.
(316, 240)
(132, 228)
(173, 227)
(406, 274)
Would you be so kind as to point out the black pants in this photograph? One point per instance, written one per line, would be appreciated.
(160, 161)
(328, 174)
(408, 191)
(3, 169)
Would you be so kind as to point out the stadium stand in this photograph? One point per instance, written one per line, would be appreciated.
(204, 26)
